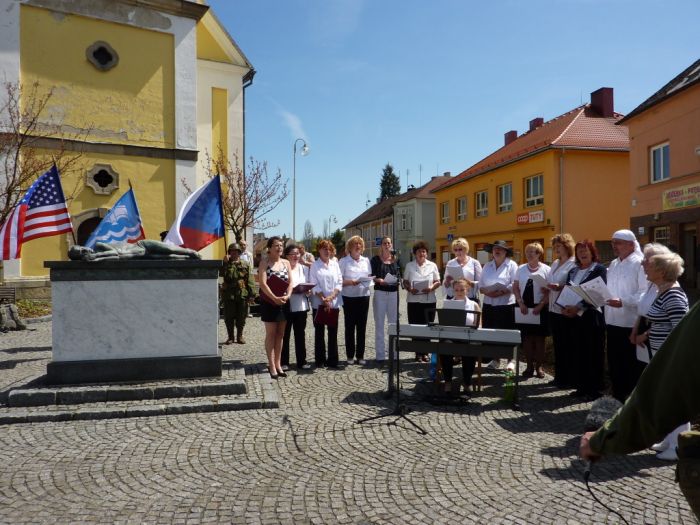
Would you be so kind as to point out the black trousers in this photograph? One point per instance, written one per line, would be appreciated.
(355, 310)
(468, 365)
(623, 366)
(589, 348)
(296, 321)
(498, 316)
(320, 344)
(564, 355)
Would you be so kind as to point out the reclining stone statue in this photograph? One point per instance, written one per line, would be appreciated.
(144, 249)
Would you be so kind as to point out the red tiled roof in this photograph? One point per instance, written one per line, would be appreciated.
(688, 77)
(580, 128)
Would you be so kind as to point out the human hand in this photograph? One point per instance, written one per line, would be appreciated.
(554, 286)
(615, 303)
(570, 311)
(537, 309)
(448, 280)
(523, 309)
(584, 449)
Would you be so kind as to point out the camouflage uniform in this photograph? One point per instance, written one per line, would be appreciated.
(236, 291)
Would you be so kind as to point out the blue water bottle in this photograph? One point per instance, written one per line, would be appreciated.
(432, 370)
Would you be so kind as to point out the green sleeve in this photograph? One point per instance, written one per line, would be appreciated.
(251, 281)
(666, 395)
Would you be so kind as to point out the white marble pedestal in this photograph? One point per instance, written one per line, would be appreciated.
(133, 320)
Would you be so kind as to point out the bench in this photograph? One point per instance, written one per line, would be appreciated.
(7, 294)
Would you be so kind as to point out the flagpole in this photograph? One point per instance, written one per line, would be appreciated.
(222, 212)
(72, 229)
(136, 205)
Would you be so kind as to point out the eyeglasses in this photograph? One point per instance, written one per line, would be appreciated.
(458, 249)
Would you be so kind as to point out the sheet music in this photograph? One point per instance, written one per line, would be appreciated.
(538, 280)
(495, 287)
(420, 286)
(454, 304)
(567, 297)
(598, 291)
(390, 279)
(528, 318)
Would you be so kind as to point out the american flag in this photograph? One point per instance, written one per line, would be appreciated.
(42, 212)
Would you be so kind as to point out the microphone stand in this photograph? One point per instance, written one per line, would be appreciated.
(400, 410)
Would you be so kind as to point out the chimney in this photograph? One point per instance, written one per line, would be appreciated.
(510, 136)
(447, 174)
(602, 102)
(536, 123)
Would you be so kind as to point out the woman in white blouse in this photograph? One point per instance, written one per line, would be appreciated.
(532, 297)
(421, 278)
(496, 283)
(561, 326)
(325, 275)
(462, 267)
(297, 313)
(356, 270)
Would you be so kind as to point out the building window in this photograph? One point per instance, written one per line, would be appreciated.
(444, 212)
(103, 179)
(662, 235)
(505, 197)
(534, 191)
(481, 203)
(461, 205)
(102, 56)
(659, 163)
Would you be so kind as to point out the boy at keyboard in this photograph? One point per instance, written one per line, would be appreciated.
(460, 289)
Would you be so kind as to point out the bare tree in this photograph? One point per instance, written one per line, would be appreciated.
(25, 129)
(308, 235)
(247, 198)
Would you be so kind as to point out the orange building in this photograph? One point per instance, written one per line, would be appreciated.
(664, 135)
(569, 174)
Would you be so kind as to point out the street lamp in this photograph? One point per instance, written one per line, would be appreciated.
(335, 220)
(304, 152)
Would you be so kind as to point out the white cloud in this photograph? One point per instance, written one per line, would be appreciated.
(293, 123)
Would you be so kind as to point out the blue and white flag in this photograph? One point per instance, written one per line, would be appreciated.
(121, 224)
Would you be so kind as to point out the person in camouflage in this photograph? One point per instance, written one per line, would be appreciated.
(237, 292)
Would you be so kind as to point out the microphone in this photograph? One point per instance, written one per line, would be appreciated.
(586, 470)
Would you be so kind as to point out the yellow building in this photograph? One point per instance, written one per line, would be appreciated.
(152, 86)
(569, 174)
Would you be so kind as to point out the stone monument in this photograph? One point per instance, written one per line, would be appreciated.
(135, 312)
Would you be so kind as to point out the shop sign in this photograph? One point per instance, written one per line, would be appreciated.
(531, 217)
(681, 197)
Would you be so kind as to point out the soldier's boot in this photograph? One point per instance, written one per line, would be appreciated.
(240, 339)
(688, 468)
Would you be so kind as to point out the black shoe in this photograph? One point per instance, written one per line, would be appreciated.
(282, 374)
(273, 376)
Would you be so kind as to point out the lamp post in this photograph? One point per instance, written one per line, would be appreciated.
(304, 152)
(335, 220)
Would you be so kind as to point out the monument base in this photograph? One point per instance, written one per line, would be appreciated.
(144, 369)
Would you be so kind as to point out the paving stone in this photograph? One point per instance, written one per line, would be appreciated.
(32, 397)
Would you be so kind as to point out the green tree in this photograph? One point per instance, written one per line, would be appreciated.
(338, 240)
(390, 184)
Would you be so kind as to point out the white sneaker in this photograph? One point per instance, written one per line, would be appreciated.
(667, 455)
(362, 362)
(350, 361)
(494, 364)
(511, 366)
(285, 368)
(660, 446)
(307, 366)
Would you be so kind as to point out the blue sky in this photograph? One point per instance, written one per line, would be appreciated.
(432, 86)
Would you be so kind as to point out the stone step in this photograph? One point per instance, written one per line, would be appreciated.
(75, 395)
(142, 408)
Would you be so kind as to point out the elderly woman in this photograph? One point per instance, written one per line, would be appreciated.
(297, 313)
(326, 301)
(237, 290)
(386, 272)
(496, 283)
(462, 267)
(668, 308)
(532, 298)
(561, 326)
(588, 335)
(421, 278)
(355, 269)
(274, 270)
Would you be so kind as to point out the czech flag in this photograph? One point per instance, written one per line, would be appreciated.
(201, 218)
(121, 224)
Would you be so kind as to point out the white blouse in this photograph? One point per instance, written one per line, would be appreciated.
(327, 278)
(558, 275)
(524, 273)
(298, 302)
(470, 271)
(626, 280)
(352, 269)
(504, 274)
(427, 272)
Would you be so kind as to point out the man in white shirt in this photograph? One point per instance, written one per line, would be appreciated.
(245, 254)
(626, 282)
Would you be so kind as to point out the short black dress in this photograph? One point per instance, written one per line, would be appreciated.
(274, 313)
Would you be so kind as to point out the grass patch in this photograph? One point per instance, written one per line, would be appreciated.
(29, 308)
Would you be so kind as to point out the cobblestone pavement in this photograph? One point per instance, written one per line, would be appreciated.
(311, 462)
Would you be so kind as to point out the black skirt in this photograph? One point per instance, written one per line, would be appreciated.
(272, 313)
(535, 329)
